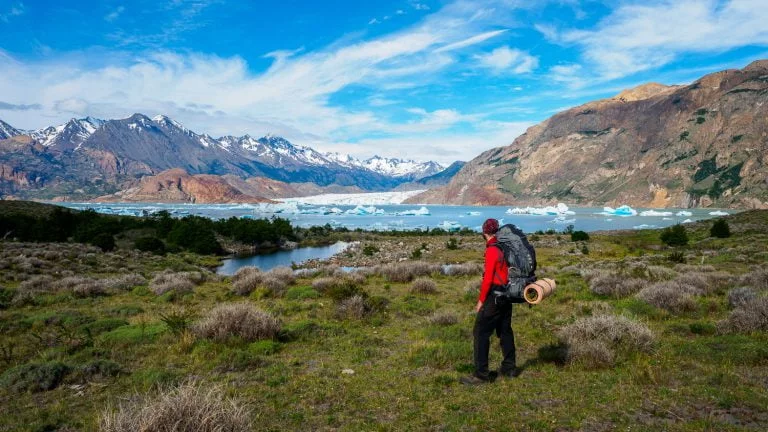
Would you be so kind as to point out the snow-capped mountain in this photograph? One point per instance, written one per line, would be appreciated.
(8, 131)
(114, 151)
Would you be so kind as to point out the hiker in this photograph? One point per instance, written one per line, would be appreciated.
(494, 313)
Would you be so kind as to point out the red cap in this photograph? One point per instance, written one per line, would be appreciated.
(490, 226)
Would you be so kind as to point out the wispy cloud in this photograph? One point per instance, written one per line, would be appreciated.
(638, 37)
(18, 107)
(114, 14)
(508, 59)
(470, 41)
(14, 10)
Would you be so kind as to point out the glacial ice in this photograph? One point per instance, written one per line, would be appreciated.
(559, 209)
(415, 212)
(683, 213)
(644, 226)
(718, 213)
(474, 213)
(450, 225)
(687, 221)
(655, 213)
(624, 210)
(365, 211)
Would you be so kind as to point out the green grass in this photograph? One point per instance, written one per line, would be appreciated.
(406, 370)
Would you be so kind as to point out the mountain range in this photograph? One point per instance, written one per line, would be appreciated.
(703, 144)
(88, 157)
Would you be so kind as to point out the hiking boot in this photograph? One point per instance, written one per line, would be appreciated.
(477, 380)
(511, 373)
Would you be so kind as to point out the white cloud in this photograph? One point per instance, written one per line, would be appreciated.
(508, 59)
(470, 41)
(419, 6)
(637, 37)
(114, 14)
(374, 21)
(15, 10)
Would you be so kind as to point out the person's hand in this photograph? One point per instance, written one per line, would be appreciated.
(479, 306)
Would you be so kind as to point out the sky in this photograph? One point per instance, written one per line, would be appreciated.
(424, 79)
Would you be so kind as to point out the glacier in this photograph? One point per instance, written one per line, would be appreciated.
(624, 211)
(372, 198)
(559, 209)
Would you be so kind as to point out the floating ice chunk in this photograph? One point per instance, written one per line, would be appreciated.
(450, 225)
(666, 218)
(644, 226)
(364, 211)
(559, 209)
(687, 221)
(474, 213)
(624, 210)
(683, 213)
(562, 220)
(718, 213)
(278, 208)
(416, 212)
(655, 213)
(609, 220)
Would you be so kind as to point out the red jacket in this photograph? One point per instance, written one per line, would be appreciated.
(496, 269)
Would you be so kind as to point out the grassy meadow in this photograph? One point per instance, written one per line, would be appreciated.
(638, 336)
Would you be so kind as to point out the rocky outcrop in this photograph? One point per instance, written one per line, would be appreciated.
(704, 144)
(176, 185)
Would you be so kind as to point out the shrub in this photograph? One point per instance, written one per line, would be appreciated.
(472, 288)
(104, 241)
(34, 377)
(91, 288)
(739, 297)
(370, 250)
(352, 308)
(452, 244)
(674, 236)
(274, 285)
(757, 279)
(37, 284)
(579, 236)
(424, 286)
(98, 369)
(179, 283)
(246, 280)
(416, 254)
(177, 321)
(676, 257)
(598, 340)
(237, 319)
(125, 282)
(443, 319)
(150, 244)
(669, 295)
(185, 408)
(720, 229)
(465, 269)
(301, 293)
(283, 273)
(6, 297)
(408, 271)
(750, 317)
(615, 285)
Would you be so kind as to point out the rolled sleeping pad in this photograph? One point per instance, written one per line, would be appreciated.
(539, 290)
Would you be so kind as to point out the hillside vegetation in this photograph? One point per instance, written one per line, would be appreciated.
(639, 335)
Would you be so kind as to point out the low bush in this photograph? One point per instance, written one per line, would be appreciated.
(237, 319)
(177, 321)
(125, 282)
(670, 295)
(34, 377)
(615, 285)
(757, 279)
(301, 293)
(676, 257)
(452, 244)
(750, 317)
(600, 340)
(741, 296)
(674, 236)
(246, 280)
(150, 244)
(178, 283)
(407, 271)
(186, 408)
(443, 319)
(423, 286)
(720, 229)
(37, 284)
(352, 308)
(98, 369)
(337, 287)
(465, 269)
(579, 236)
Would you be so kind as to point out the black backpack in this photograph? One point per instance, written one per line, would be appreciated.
(521, 259)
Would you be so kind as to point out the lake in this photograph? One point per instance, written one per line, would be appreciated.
(283, 258)
(409, 217)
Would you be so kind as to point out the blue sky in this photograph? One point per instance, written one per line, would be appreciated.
(424, 79)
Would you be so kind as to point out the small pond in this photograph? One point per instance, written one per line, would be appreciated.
(283, 258)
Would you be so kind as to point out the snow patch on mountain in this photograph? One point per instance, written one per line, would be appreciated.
(375, 198)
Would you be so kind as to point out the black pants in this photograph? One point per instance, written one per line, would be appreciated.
(497, 318)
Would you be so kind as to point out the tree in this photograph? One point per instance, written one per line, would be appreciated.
(674, 236)
(720, 229)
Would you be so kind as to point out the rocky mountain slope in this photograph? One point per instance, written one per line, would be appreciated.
(703, 144)
(91, 157)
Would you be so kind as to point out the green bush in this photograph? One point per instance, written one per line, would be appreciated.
(301, 293)
(370, 250)
(177, 321)
(674, 236)
(34, 377)
(150, 244)
(98, 369)
(676, 257)
(6, 296)
(416, 254)
(720, 229)
(579, 236)
(104, 241)
(452, 244)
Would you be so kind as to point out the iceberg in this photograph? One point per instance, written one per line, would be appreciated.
(416, 212)
(683, 213)
(559, 209)
(474, 213)
(278, 208)
(364, 211)
(562, 220)
(718, 213)
(644, 226)
(624, 210)
(655, 213)
(687, 221)
(450, 225)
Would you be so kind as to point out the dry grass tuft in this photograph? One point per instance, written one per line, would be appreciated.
(352, 308)
(443, 319)
(408, 270)
(748, 318)
(179, 283)
(125, 282)
(757, 279)
(739, 297)
(185, 408)
(466, 269)
(598, 340)
(615, 285)
(243, 320)
(424, 286)
(671, 296)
